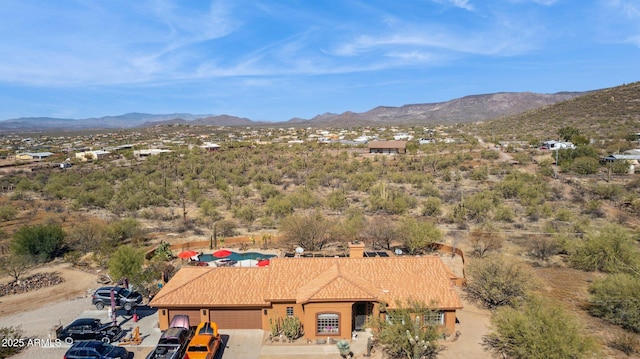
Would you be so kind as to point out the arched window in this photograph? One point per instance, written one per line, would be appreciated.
(328, 323)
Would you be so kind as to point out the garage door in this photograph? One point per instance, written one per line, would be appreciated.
(236, 318)
(194, 315)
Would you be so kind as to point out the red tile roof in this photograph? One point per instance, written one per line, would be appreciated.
(423, 279)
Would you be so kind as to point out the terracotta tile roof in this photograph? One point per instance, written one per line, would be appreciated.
(214, 286)
(424, 279)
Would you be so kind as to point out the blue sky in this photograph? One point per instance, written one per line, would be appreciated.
(278, 59)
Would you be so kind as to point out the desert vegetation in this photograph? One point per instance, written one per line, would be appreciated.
(512, 211)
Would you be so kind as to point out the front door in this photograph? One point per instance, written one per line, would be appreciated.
(360, 312)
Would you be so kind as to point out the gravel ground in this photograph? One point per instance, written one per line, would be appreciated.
(38, 323)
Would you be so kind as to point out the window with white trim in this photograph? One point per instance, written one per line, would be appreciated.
(328, 323)
(434, 317)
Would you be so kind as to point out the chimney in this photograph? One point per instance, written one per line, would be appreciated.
(356, 249)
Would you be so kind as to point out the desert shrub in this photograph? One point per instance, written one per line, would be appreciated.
(523, 158)
(279, 206)
(485, 239)
(610, 249)
(563, 214)
(480, 173)
(431, 207)
(626, 343)
(478, 205)
(489, 154)
(408, 331)
(337, 200)
(7, 213)
(615, 298)
(538, 329)
(607, 191)
(419, 236)
(585, 165)
(503, 214)
(42, 242)
(543, 247)
(8, 336)
(494, 282)
(226, 228)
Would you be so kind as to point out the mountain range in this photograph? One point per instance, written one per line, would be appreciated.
(462, 110)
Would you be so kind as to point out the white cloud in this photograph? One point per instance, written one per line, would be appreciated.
(463, 4)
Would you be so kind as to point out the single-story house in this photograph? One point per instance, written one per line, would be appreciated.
(91, 155)
(211, 147)
(388, 147)
(149, 152)
(331, 296)
(33, 156)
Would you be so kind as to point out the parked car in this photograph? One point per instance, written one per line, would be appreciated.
(124, 297)
(90, 329)
(172, 344)
(205, 342)
(95, 350)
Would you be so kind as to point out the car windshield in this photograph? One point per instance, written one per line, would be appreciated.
(198, 348)
(125, 292)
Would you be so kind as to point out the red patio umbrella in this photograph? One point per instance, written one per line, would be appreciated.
(263, 263)
(187, 254)
(221, 253)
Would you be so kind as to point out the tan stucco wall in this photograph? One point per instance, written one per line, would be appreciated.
(163, 318)
(279, 310)
(450, 321)
(311, 310)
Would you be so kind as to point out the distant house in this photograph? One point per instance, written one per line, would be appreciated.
(30, 156)
(91, 155)
(556, 145)
(426, 141)
(210, 147)
(331, 296)
(388, 147)
(149, 152)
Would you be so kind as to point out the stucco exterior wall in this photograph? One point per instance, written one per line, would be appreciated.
(343, 309)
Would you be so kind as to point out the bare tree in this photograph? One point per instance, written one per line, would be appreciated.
(485, 239)
(16, 265)
(311, 231)
(381, 231)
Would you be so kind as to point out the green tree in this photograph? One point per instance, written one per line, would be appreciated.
(494, 282)
(567, 132)
(42, 242)
(538, 329)
(610, 249)
(126, 262)
(410, 330)
(615, 298)
(419, 235)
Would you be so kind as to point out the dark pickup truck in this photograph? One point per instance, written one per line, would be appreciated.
(172, 344)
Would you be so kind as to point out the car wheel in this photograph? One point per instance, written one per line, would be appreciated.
(106, 339)
(99, 305)
(127, 306)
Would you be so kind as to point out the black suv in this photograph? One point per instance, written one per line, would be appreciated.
(124, 298)
(95, 350)
(90, 329)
